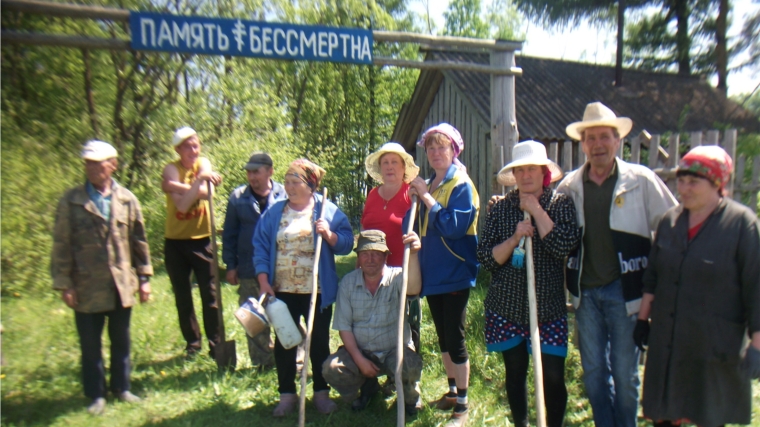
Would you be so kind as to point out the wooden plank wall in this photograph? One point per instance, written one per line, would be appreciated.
(451, 106)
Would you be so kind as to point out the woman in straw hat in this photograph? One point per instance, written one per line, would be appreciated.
(387, 203)
(283, 255)
(448, 222)
(555, 233)
(704, 277)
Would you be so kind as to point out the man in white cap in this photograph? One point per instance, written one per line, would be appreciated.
(618, 205)
(98, 242)
(246, 205)
(188, 230)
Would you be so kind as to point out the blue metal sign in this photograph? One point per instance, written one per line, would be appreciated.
(237, 37)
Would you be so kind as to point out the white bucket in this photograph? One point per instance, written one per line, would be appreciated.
(279, 316)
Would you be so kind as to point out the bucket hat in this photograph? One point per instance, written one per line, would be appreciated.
(528, 153)
(371, 240)
(598, 114)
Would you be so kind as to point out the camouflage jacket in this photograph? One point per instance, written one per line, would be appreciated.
(90, 255)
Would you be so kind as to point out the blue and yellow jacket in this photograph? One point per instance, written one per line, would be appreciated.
(448, 233)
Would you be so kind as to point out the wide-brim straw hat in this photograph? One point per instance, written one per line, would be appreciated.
(528, 153)
(598, 114)
(372, 162)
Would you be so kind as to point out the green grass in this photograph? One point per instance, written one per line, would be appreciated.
(41, 385)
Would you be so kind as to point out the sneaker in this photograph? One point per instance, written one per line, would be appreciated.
(127, 396)
(369, 389)
(97, 406)
(288, 404)
(324, 404)
(458, 419)
(445, 403)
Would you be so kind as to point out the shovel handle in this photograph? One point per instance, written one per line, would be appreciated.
(535, 338)
(400, 344)
(310, 320)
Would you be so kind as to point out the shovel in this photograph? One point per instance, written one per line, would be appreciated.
(224, 352)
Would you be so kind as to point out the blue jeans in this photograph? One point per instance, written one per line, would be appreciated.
(608, 355)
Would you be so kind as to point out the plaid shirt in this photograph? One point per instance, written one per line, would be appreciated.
(372, 319)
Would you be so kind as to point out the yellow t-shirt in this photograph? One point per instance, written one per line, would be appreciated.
(193, 224)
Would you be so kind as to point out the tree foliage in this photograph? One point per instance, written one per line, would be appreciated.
(463, 19)
(679, 36)
(54, 99)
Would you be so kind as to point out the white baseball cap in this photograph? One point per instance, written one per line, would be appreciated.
(182, 134)
(98, 151)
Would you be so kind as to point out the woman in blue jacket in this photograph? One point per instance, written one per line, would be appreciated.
(448, 220)
(284, 246)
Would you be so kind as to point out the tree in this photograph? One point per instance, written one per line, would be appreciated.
(697, 46)
(463, 20)
(505, 20)
(564, 13)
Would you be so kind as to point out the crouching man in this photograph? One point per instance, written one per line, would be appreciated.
(367, 315)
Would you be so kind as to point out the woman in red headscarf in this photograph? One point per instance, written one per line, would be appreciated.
(704, 274)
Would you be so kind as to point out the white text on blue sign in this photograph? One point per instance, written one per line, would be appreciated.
(236, 37)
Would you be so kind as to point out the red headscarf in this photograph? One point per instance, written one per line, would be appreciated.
(710, 162)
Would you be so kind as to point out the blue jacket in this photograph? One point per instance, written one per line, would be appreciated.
(243, 213)
(265, 245)
(448, 233)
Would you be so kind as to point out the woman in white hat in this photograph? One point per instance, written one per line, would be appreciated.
(387, 203)
(555, 233)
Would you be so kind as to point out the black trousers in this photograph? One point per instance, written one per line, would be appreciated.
(285, 360)
(449, 313)
(555, 392)
(90, 329)
(184, 257)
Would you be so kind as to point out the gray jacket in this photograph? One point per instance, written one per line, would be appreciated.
(706, 298)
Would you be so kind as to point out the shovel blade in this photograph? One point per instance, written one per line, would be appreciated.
(226, 356)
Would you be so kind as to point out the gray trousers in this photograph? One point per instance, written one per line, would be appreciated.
(341, 372)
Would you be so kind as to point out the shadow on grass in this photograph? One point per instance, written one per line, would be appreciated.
(379, 413)
(21, 410)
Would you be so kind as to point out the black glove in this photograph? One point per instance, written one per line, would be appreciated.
(751, 363)
(641, 334)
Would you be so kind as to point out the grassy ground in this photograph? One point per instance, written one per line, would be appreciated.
(41, 386)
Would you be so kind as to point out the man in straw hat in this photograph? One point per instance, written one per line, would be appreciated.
(245, 206)
(188, 230)
(618, 205)
(98, 242)
(366, 316)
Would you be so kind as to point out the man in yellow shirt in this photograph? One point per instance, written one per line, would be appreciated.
(188, 230)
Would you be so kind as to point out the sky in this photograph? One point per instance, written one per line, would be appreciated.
(587, 43)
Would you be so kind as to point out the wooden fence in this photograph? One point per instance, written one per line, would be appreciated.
(663, 153)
